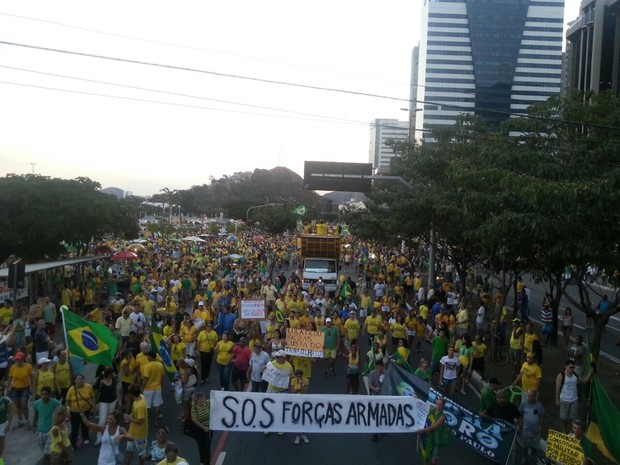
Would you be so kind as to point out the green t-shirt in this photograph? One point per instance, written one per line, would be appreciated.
(487, 397)
(425, 375)
(4, 409)
(440, 347)
(331, 337)
(46, 413)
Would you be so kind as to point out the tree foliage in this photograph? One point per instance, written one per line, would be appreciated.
(541, 195)
(41, 213)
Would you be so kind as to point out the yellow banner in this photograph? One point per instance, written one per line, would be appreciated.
(564, 449)
(303, 343)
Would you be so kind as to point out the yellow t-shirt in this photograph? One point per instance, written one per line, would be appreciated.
(141, 360)
(224, 352)
(177, 351)
(529, 376)
(399, 331)
(372, 324)
(207, 340)
(81, 398)
(528, 340)
(6, 315)
(304, 364)
(147, 307)
(45, 378)
(63, 374)
(131, 366)
(187, 333)
(298, 386)
(153, 372)
(352, 328)
(138, 412)
(20, 375)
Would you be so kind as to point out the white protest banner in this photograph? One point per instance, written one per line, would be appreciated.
(253, 310)
(304, 343)
(316, 413)
(276, 376)
(563, 448)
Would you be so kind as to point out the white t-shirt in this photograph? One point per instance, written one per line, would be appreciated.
(450, 366)
(480, 315)
(569, 389)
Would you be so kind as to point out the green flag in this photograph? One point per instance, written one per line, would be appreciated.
(402, 361)
(604, 427)
(301, 210)
(299, 226)
(91, 341)
(159, 344)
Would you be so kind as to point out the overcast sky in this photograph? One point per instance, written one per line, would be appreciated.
(143, 127)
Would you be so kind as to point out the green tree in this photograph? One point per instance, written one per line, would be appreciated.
(43, 212)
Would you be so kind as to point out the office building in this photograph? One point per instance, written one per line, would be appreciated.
(593, 47)
(492, 58)
(383, 133)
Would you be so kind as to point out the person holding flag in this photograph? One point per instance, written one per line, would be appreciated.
(435, 435)
(91, 341)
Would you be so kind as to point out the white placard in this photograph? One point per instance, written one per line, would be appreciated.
(253, 310)
(276, 377)
(316, 413)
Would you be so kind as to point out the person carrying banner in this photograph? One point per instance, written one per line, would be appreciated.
(435, 435)
(278, 374)
(375, 384)
(300, 385)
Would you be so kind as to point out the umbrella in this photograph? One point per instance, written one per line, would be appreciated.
(232, 238)
(136, 248)
(258, 239)
(104, 249)
(175, 241)
(194, 239)
(235, 256)
(125, 255)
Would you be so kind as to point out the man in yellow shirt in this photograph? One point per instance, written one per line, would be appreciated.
(371, 325)
(530, 374)
(152, 382)
(138, 425)
(352, 329)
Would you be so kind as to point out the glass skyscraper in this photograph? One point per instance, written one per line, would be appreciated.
(492, 58)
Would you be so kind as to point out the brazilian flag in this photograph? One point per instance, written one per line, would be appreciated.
(91, 341)
(159, 344)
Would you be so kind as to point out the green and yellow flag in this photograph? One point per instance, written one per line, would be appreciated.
(301, 210)
(91, 341)
(159, 345)
(604, 427)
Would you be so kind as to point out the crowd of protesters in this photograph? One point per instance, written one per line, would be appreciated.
(191, 290)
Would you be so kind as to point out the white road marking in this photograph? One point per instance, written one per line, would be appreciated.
(220, 458)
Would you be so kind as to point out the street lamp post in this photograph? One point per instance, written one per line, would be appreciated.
(247, 213)
(33, 165)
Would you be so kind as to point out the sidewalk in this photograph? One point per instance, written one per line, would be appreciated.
(21, 446)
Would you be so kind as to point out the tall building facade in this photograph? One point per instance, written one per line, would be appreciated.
(593, 47)
(492, 58)
(382, 133)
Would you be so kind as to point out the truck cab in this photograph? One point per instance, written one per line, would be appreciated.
(320, 259)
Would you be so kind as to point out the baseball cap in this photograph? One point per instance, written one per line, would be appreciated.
(201, 303)
(43, 360)
(20, 356)
(280, 353)
(190, 362)
(351, 312)
(328, 320)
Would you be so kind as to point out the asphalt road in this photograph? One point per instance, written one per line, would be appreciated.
(612, 332)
